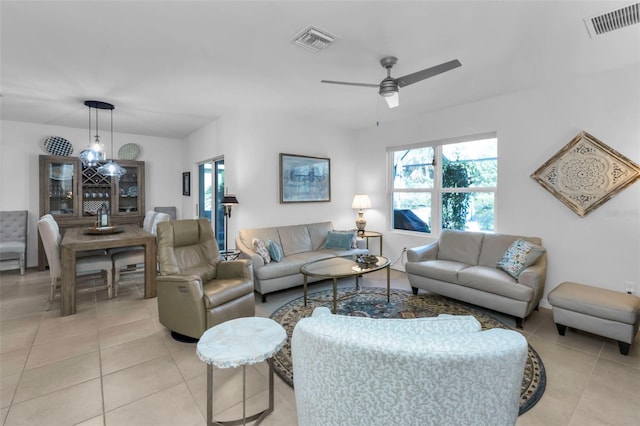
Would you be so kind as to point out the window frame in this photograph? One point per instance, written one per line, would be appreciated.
(437, 190)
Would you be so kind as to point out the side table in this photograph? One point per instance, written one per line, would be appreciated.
(240, 342)
(371, 234)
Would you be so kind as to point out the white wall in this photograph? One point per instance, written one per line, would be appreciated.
(19, 181)
(601, 249)
(251, 142)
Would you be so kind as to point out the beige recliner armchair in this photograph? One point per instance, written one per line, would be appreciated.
(196, 290)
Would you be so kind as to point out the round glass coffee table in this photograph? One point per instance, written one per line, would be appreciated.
(343, 267)
(240, 342)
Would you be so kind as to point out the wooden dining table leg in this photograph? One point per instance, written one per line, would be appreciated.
(68, 282)
(150, 251)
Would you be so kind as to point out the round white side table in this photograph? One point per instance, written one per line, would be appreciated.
(240, 342)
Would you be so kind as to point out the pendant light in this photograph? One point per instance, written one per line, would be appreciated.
(95, 153)
(111, 168)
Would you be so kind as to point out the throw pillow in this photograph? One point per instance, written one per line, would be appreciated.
(519, 256)
(338, 240)
(274, 251)
(354, 232)
(259, 247)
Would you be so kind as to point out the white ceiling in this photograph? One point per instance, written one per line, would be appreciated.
(171, 67)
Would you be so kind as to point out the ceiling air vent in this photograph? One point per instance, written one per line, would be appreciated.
(314, 39)
(614, 20)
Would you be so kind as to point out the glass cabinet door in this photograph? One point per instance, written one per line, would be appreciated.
(129, 197)
(61, 182)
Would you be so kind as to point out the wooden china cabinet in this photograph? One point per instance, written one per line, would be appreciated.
(73, 193)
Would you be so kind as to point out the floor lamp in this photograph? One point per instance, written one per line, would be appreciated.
(228, 201)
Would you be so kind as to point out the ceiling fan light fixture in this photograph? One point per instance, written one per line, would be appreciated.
(393, 99)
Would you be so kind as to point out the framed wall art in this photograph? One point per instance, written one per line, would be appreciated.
(186, 183)
(586, 173)
(304, 179)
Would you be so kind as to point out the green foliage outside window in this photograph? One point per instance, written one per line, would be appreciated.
(455, 205)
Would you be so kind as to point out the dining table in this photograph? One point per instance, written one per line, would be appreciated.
(76, 240)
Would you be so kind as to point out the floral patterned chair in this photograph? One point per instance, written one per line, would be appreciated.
(424, 371)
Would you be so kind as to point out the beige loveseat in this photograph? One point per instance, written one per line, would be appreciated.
(299, 244)
(462, 265)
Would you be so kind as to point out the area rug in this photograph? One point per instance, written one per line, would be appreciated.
(372, 302)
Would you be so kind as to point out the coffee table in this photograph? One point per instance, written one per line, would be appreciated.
(343, 267)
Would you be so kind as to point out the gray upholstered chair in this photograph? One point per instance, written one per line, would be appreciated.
(13, 237)
(134, 256)
(196, 290)
(171, 211)
(51, 240)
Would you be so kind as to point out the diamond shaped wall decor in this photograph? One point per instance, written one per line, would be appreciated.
(586, 173)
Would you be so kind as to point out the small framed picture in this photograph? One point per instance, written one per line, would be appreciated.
(186, 183)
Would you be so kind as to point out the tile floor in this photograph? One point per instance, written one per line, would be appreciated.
(113, 363)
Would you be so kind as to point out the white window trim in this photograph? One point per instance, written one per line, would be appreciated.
(436, 205)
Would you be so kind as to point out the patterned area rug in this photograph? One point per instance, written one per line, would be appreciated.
(372, 302)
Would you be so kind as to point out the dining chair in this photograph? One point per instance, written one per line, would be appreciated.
(51, 240)
(133, 257)
(13, 237)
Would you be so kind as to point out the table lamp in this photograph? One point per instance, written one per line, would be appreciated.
(361, 202)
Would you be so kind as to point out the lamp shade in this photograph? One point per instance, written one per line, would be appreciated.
(361, 202)
(229, 199)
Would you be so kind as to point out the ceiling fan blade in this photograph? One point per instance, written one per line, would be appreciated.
(426, 73)
(350, 84)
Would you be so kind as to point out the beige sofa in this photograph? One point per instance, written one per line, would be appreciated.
(300, 244)
(462, 265)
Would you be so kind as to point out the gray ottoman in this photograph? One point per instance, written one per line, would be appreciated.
(596, 310)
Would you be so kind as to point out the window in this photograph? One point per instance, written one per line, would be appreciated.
(450, 185)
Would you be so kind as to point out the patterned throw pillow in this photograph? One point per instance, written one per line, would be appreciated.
(259, 247)
(274, 251)
(519, 256)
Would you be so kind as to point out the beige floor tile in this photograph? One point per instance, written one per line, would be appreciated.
(612, 394)
(567, 371)
(3, 414)
(139, 381)
(188, 362)
(10, 342)
(63, 348)
(27, 323)
(8, 386)
(574, 338)
(127, 314)
(581, 418)
(64, 407)
(170, 407)
(54, 330)
(227, 387)
(13, 362)
(124, 333)
(96, 421)
(283, 413)
(57, 375)
(611, 351)
(118, 357)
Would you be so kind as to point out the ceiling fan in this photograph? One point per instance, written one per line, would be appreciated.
(388, 88)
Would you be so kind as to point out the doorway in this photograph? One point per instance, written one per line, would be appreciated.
(210, 193)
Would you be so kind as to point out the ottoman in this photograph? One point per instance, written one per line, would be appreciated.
(596, 310)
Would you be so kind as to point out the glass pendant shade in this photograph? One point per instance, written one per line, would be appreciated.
(95, 154)
(112, 169)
